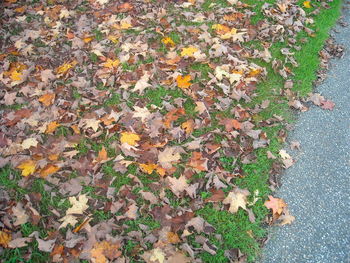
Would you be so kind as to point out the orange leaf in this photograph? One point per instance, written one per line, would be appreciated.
(276, 204)
(47, 99)
(188, 126)
(52, 126)
(102, 155)
(5, 238)
(173, 115)
(148, 168)
(48, 170)
(173, 238)
(183, 82)
(105, 250)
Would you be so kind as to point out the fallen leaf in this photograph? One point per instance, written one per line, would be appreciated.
(29, 142)
(177, 186)
(5, 238)
(276, 204)
(236, 199)
(168, 156)
(307, 4)
(104, 251)
(327, 105)
(102, 155)
(51, 127)
(183, 82)
(78, 205)
(28, 167)
(188, 51)
(129, 138)
(48, 170)
(47, 99)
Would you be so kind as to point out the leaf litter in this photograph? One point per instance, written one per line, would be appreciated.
(115, 100)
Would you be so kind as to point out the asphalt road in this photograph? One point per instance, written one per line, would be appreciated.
(317, 187)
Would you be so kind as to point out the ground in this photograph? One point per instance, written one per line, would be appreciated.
(150, 131)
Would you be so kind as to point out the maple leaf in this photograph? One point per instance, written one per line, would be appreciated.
(29, 142)
(286, 218)
(68, 220)
(78, 205)
(5, 238)
(28, 167)
(168, 156)
(111, 63)
(183, 82)
(65, 67)
(307, 4)
(102, 155)
(236, 199)
(20, 213)
(52, 126)
(142, 83)
(129, 138)
(276, 204)
(327, 105)
(177, 186)
(168, 41)
(188, 51)
(142, 113)
(148, 168)
(155, 255)
(48, 170)
(102, 251)
(47, 99)
(188, 126)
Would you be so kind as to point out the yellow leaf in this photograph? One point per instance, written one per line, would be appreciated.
(188, 51)
(148, 168)
(114, 39)
(307, 4)
(52, 126)
(87, 39)
(188, 126)
(16, 75)
(65, 67)
(183, 82)
(27, 167)
(129, 138)
(168, 41)
(125, 25)
(47, 99)
(5, 238)
(221, 29)
(111, 63)
(49, 169)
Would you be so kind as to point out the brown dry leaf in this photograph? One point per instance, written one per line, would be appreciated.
(236, 199)
(155, 255)
(286, 218)
(104, 251)
(47, 99)
(177, 186)
(198, 162)
(78, 205)
(173, 115)
(48, 170)
(276, 204)
(168, 156)
(20, 213)
(173, 238)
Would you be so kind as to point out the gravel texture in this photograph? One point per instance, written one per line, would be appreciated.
(317, 187)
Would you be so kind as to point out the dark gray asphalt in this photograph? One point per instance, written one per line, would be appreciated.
(317, 187)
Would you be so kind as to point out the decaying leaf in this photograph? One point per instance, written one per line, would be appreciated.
(236, 199)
